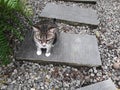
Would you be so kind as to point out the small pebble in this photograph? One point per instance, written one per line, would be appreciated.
(94, 69)
(97, 34)
(42, 88)
(32, 89)
(116, 65)
(99, 74)
(91, 70)
(92, 74)
(119, 83)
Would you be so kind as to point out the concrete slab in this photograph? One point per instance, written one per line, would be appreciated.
(69, 13)
(104, 85)
(71, 49)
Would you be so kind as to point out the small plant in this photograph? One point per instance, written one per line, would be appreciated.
(9, 24)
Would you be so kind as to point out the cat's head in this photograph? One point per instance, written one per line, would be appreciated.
(44, 36)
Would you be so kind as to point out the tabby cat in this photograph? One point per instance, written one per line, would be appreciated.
(45, 36)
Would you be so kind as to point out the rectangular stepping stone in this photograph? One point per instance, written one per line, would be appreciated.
(71, 49)
(104, 85)
(69, 13)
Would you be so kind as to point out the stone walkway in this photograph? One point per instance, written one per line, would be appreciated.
(86, 51)
(82, 50)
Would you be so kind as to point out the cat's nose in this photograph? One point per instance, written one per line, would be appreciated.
(44, 44)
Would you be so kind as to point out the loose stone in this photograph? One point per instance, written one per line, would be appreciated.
(116, 65)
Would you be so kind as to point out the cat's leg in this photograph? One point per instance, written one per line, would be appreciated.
(48, 51)
(39, 51)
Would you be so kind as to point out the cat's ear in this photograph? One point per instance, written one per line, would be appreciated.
(52, 30)
(35, 29)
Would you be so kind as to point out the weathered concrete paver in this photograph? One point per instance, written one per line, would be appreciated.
(104, 85)
(71, 49)
(69, 13)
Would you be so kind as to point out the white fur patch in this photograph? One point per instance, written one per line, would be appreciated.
(39, 52)
(47, 54)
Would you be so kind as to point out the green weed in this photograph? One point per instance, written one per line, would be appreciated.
(9, 24)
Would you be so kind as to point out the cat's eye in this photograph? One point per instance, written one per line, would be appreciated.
(38, 37)
(48, 40)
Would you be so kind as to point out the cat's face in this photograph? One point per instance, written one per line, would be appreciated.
(44, 37)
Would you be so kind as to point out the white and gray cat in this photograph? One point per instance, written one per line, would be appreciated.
(45, 36)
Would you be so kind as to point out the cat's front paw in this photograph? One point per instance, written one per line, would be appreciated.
(47, 54)
(39, 52)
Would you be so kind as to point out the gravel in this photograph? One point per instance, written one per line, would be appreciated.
(34, 76)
